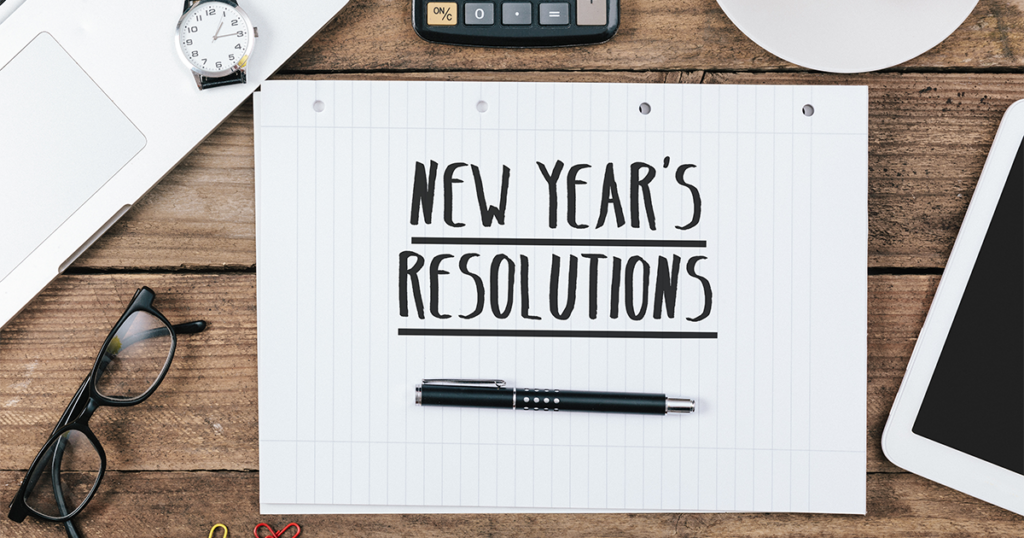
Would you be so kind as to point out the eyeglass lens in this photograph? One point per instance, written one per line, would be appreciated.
(134, 358)
(75, 463)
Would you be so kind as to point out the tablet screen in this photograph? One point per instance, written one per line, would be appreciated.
(975, 401)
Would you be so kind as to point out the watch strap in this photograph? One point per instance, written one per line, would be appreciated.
(238, 77)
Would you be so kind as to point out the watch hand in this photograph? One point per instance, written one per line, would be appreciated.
(217, 31)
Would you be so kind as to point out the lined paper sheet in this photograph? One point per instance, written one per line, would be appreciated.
(557, 237)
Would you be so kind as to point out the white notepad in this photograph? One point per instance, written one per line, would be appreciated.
(755, 306)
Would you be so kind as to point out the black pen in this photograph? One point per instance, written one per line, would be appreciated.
(493, 393)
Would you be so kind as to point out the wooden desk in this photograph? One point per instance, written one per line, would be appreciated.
(187, 458)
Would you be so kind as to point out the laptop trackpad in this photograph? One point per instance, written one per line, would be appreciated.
(61, 140)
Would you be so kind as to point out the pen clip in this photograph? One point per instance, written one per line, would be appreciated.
(483, 383)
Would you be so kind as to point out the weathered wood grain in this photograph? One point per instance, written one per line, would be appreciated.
(929, 136)
(204, 416)
(370, 35)
(188, 504)
(897, 306)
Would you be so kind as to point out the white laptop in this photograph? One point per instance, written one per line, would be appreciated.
(95, 107)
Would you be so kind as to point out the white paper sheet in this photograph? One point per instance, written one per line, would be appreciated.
(772, 271)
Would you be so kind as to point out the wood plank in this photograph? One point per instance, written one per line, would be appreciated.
(897, 306)
(204, 415)
(653, 35)
(188, 504)
(207, 404)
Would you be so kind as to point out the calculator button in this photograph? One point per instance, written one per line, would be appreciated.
(516, 13)
(554, 14)
(479, 13)
(592, 12)
(442, 13)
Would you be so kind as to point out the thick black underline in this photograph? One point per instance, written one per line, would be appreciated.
(526, 333)
(564, 242)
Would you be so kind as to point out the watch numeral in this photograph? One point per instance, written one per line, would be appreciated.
(188, 42)
(204, 61)
(240, 33)
(238, 46)
(199, 18)
(231, 57)
(218, 65)
(191, 29)
(195, 53)
(211, 11)
(234, 22)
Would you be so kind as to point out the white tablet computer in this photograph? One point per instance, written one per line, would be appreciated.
(958, 418)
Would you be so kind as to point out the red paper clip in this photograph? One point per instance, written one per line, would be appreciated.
(256, 531)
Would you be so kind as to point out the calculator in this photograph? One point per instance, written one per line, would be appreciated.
(516, 23)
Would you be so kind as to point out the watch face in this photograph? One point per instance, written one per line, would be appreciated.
(214, 38)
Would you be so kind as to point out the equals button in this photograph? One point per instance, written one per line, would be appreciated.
(553, 14)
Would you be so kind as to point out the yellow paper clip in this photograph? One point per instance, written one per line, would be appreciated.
(221, 525)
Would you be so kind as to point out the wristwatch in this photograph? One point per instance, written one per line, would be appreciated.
(214, 39)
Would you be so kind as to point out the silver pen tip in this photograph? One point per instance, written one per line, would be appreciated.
(419, 395)
(679, 405)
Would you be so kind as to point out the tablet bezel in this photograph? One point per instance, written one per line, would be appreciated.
(900, 444)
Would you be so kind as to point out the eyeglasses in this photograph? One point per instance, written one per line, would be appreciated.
(131, 364)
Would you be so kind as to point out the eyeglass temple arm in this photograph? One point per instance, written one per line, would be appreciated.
(58, 491)
(191, 327)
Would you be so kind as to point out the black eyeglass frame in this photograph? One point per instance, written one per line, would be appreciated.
(85, 402)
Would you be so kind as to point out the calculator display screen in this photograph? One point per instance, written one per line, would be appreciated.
(975, 401)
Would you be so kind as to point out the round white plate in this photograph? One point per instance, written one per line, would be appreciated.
(851, 36)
